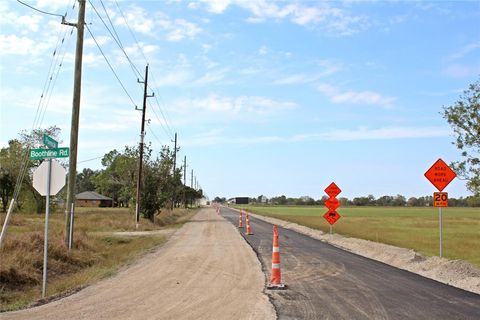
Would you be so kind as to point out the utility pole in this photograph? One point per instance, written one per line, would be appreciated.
(191, 180)
(185, 181)
(174, 170)
(142, 136)
(77, 87)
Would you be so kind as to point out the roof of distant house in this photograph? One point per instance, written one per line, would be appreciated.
(91, 195)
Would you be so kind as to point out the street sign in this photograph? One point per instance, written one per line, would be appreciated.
(38, 154)
(440, 199)
(333, 190)
(440, 174)
(40, 176)
(332, 203)
(49, 142)
(331, 216)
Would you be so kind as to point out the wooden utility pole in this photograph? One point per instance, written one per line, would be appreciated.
(77, 86)
(174, 170)
(185, 181)
(142, 136)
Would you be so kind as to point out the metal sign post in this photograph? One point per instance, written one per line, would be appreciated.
(440, 175)
(45, 243)
(440, 223)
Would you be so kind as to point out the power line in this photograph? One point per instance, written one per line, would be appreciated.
(44, 12)
(117, 39)
(165, 118)
(111, 67)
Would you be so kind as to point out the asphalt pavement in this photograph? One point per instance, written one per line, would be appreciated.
(325, 282)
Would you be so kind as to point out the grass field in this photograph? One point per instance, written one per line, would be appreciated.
(407, 227)
(97, 252)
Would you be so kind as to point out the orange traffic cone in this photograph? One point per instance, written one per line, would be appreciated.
(247, 221)
(276, 279)
(240, 222)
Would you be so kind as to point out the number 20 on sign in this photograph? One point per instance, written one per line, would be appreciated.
(440, 199)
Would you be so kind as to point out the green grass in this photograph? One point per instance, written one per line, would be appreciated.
(96, 254)
(406, 227)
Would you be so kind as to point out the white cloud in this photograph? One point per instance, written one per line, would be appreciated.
(101, 40)
(327, 68)
(137, 19)
(334, 19)
(217, 6)
(181, 29)
(355, 97)
(386, 133)
(174, 29)
(462, 52)
(213, 76)
(458, 70)
(11, 44)
(263, 50)
(359, 134)
(233, 106)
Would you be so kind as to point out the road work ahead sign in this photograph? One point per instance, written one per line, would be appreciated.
(440, 174)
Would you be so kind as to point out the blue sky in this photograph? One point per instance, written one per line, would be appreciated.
(266, 97)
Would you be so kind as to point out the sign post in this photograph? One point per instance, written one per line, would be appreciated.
(45, 242)
(440, 175)
(332, 204)
(48, 179)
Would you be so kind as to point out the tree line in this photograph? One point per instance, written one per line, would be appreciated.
(370, 200)
(162, 186)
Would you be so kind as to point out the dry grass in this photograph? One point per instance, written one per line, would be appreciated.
(96, 254)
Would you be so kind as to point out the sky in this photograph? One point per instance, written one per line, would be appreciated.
(267, 97)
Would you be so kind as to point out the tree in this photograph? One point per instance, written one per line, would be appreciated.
(464, 117)
(14, 162)
(85, 180)
(118, 178)
(7, 186)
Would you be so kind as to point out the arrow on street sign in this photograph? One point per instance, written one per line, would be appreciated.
(49, 142)
(38, 154)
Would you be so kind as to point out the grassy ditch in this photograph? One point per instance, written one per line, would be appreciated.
(97, 252)
(406, 227)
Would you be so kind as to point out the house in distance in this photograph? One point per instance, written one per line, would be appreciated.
(92, 199)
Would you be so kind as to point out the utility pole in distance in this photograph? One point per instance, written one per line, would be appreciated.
(174, 170)
(142, 136)
(185, 181)
(77, 87)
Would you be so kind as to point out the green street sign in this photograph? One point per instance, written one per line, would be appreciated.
(49, 142)
(37, 154)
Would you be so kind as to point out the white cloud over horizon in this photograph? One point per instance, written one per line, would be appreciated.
(359, 134)
(336, 95)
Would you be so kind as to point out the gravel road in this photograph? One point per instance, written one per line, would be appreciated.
(205, 271)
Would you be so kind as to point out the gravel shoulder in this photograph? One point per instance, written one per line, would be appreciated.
(456, 273)
(205, 271)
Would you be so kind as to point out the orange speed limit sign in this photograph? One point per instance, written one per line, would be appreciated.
(440, 199)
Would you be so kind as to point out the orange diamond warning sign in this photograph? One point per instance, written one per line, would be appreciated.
(333, 190)
(440, 174)
(332, 203)
(331, 216)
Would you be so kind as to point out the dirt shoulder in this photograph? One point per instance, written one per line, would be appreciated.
(205, 271)
(456, 273)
